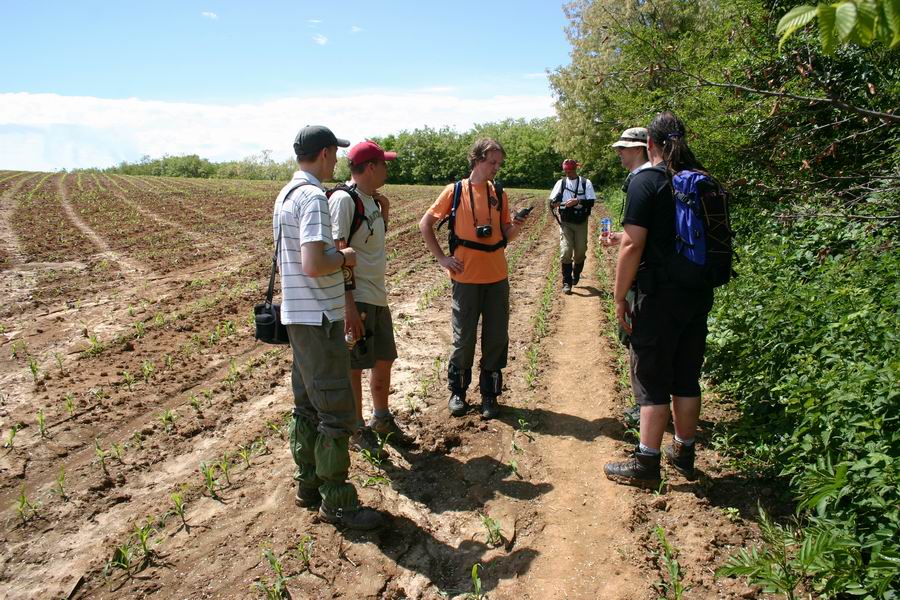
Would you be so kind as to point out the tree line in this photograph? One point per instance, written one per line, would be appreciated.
(425, 156)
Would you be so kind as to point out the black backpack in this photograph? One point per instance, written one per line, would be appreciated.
(703, 236)
(450, 219)
(359, 210)
(577, 214)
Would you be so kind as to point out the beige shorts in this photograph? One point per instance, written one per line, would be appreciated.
(379, 337)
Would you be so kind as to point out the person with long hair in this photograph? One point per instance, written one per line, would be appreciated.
(666, 323)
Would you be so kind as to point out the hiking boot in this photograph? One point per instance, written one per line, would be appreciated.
(387, 426)
(457, 405)
(362, 519)
(308, 497)
(682, 458)
(364, 439)
(490, 408)
(576, 273)
(632, 416)
(567, 289)
(641, 470)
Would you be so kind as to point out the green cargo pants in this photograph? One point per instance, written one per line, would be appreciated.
(324, 411)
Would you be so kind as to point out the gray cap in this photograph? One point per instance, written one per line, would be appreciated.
(632, 138)
(311, 139)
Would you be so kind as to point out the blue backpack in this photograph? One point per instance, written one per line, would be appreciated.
(703, 234)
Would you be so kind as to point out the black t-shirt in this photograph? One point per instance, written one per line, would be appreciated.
(650, 205)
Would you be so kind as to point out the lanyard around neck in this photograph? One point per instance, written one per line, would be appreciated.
(487, 191)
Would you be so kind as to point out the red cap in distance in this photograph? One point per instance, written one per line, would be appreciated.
(569, 165)
(368, 150)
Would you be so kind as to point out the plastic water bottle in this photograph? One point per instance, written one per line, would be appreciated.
(605, 228)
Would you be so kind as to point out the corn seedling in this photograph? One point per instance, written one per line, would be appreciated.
(302, 553)
(59, 361)
(224, 466)
(139, 330)
(10, 438)
(70, 403)
(516, 448)
(209, 478)
(669, 555)
(525, 428)
(178, 502)
(494, 532)
(95, 347)
(98, 393)
(138, 439)
(60, 487)
(167, 361)
(275, 428)
(144, 535)
(34, 368)
(116, 451)
(262, 446)
(195, 402)
(130, 310)
(19, 349)
(476, 593)
(127, 379)
(101, 456)
(122, 558)
(233, 374)
(25, 507)
(42, 423)
(513, 467)
(277, 589)
(245, 452)
(147, 369)
(167, 418)
(208, 394)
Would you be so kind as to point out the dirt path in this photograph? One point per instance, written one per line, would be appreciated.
(586, 516)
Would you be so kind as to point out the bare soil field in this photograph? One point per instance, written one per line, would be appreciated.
(128, 368)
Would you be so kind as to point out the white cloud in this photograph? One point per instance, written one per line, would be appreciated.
(355, 29)
(210, 15)
(535, 75)
(320, 39)
(49, 131)
(314, 22)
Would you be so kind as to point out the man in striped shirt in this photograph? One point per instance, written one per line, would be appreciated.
(312, 308)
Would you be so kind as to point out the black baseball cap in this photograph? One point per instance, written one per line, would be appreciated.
(311, 139)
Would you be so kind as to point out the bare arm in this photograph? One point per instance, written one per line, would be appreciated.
(316, 263)
(426, 227)
(634, 238)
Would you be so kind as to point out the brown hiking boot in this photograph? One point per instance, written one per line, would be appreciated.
(388, 429)
(681, 457)
(641, 470)
(364, 439)
(361, 519)
(308, 497)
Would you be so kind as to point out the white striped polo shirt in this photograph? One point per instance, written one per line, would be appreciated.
(304, 217)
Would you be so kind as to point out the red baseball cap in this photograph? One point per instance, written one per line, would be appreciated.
(368, 150)
(569, 164)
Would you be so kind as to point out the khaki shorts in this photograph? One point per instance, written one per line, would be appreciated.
(379, 341)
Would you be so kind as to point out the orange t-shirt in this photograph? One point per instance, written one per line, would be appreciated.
(478, 266)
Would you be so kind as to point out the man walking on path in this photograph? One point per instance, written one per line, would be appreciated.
(574, 196)
(666, 323)
(367, 316)
(312, 308)
(480, 226)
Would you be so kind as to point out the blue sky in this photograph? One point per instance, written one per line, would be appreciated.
(95, 82)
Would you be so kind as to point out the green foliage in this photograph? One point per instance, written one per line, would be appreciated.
(859, 22)
(805, 341)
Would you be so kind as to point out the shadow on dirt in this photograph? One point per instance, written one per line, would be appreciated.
(444, 483)
(546, 422)
(449, 568)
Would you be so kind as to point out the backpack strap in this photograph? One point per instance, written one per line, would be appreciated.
(454, 240)
(359, 209)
